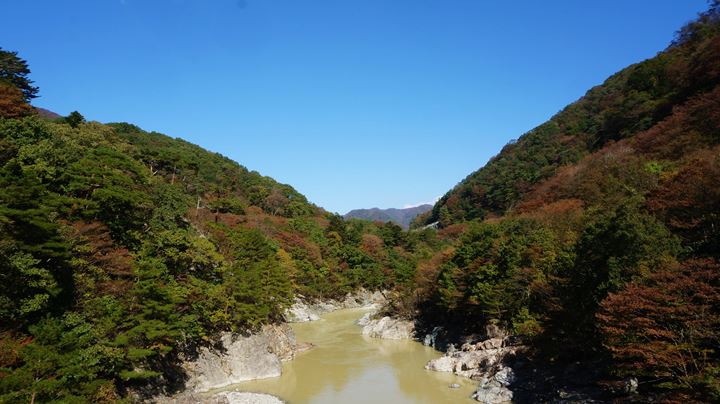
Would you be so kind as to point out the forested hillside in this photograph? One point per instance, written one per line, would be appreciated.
(120, 248)
(629, 103)
(402, 217)
(596, 236)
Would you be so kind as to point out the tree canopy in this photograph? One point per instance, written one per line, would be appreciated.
(15, 71)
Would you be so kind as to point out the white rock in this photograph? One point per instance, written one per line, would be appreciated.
(492, 343)
(241, 358)
(442, 364)
(505, 376)
(631, 385)
(470, 364)
(482, 361)
(389, 328)
(250, 398)
(365, 319)
(492, 394)
(300, 312)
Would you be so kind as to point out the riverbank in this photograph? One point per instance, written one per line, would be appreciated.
(348, 342)
(304, 310)
(349, 367)
(234, 358)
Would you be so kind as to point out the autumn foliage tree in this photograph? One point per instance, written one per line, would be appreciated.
(668, 325)
(12, 102)
(690, 203)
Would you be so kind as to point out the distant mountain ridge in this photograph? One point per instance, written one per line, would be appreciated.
(47, 114)
(402, 217)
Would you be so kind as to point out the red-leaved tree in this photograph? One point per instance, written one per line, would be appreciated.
(668, 325)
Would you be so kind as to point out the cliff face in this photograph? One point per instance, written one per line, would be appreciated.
(239, 358)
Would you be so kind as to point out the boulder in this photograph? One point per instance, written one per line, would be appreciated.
(389, 328)
(492, 343)
(494, 390)
(493, 394)
(472, 364)
(631, 385)
(505, 376)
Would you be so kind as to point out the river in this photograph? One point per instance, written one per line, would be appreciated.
(347, 367)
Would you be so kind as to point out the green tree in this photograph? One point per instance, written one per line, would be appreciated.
(15, 71)
(65, 362)
(156, 321)
(614, 249)
(74, 119)
(257, 286)
(34, 288)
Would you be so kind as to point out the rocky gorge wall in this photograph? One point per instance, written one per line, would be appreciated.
(304, 310)
(237, 358)
(234, 358)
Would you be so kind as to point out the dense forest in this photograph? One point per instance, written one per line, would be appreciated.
(121, 248)
(596, 235)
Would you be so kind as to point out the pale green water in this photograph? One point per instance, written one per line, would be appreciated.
(346, 367)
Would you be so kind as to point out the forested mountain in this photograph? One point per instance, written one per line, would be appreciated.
(631, 103)
(47, 114)
(401, 217)
(594, 239)
(596, 236)
(121, 248)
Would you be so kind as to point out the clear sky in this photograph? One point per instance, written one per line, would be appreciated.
(356, 103)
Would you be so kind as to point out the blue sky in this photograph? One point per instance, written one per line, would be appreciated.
(356, 103)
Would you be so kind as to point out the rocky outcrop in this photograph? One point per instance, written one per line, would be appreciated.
(233, 397)
(237, 358)
(366, 318)
(305, 310)
(495, 389)
(301, 312)
(247, 398)
(387, 328)
(483, 361)
(472, 360)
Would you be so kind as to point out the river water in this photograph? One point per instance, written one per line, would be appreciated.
(347, 367)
